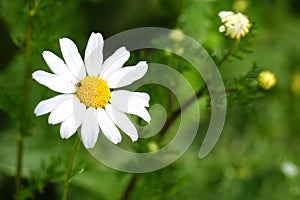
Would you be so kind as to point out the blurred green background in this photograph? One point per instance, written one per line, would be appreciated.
(257, 156)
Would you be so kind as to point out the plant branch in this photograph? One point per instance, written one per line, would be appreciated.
(176, 113)
(20, 137)
(179, 110)
(163, 132)
(229, 52)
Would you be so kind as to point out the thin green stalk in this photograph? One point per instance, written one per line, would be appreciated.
(229, 52)
(70, 168)
(20, 145)
(20, 138)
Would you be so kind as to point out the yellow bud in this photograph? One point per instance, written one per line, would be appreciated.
(31, 13)
(240, 5)
(296, 83)
(266, 80)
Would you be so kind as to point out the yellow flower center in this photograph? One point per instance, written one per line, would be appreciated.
(93, 91)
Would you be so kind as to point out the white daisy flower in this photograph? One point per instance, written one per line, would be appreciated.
(90, 98)
(235, 26)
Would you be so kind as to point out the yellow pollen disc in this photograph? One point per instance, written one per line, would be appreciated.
(93, 91)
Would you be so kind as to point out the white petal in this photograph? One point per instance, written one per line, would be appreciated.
(71, 124)
(114, 62)
(132, 103)
(126, 97)
(230, 19)
(222, 29)
(122, 121)
(127, 75)
(63, 111)
(89, 128)
(93, 54)
(49, 105)
(54, 82)
(68, 127)
(108, 127)
(72, 58)
(58, 66)
(224, 14)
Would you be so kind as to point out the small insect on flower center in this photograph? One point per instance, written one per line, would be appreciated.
(93, 91)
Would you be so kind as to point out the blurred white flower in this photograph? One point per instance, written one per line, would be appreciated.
(289, 169)
(234, 25)
(89, 98)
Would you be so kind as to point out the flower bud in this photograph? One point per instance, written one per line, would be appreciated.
(266, 80)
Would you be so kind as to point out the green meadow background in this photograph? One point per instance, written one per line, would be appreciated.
(260, 140)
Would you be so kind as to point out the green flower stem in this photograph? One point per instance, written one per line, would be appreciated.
(178, 111)
(26, 88)
(20, 145)
(70, 168)
(28, 50)
(229, 52)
